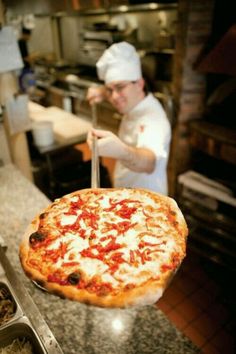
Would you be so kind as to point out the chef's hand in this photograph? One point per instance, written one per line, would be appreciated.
(108, 144)
(96, 94)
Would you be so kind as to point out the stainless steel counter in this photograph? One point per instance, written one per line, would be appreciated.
(79, 328)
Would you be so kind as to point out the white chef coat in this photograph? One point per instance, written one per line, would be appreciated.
(145, 126)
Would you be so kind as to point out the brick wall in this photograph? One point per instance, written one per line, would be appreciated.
(189, 87)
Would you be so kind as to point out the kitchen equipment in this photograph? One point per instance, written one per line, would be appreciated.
(21, 331)
(9, 310)
(95, 173)
(97, 37)
(209, 209)
(66, 126)
(26, 322)
(43, 133)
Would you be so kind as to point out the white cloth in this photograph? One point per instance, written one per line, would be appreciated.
(119, 62)
(146, 126)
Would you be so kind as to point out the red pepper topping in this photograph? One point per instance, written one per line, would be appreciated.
(166, 267)
(144, 256)
(101, 289)
(117, 257)
(121, 227)
(34, 263)
(111, 246)
(113, 268)
(55, 254)
(131, 255)
(173, 264)
(89, 218)
(122, 208)
(98, 251)
(92, 236)
(81, 233)
(105, 238)
(56, 278)
(81, 284)
(77, 204)
(114, 261)
(92, 253)
(143, 244)
(121, 202)
(171, 215)
(70, 212)
(125, 212)
(129, 286)
(70, 264)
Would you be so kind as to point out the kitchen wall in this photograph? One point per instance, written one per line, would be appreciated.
(152, 29)
(146, 30)
(42, 40)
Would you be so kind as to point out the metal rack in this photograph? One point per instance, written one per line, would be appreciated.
(209, 209)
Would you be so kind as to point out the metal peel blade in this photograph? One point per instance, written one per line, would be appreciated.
(95, 172)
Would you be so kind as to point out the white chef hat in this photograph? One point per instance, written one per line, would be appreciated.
(119, 62)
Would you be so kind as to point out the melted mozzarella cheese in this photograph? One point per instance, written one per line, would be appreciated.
(92, 266)
(131, 242)
(108, 278)
(82, 224)
(104, 202)
(68, 219)
(78, 244)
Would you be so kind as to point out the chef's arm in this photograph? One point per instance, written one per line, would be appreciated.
(32, 57)
(139, 159)
(109, 145)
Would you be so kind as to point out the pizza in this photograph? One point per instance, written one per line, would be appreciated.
(114, 247)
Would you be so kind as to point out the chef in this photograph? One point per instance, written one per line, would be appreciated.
(141, 148)
(27, 77)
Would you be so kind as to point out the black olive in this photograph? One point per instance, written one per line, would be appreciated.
(36, 237)
(42, 216)
(74, 278)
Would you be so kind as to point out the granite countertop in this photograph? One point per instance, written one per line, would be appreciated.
(79, 328)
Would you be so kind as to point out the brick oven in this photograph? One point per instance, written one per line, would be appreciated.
(203, 160)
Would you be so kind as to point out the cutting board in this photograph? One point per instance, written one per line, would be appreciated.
(35, 107)
(71, 128)
(52, 114)
(66, 125)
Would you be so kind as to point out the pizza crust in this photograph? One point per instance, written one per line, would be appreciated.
(147, 293)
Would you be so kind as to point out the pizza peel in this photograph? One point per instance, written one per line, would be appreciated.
(95, 173)
(95, 183)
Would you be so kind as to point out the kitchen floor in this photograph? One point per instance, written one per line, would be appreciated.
(201, 307)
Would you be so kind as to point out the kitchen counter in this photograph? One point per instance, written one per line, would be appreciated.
(79, 328)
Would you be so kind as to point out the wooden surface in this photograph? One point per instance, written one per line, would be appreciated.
(17, 143)
(19, 151)
(214, 140)
(66, 126)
